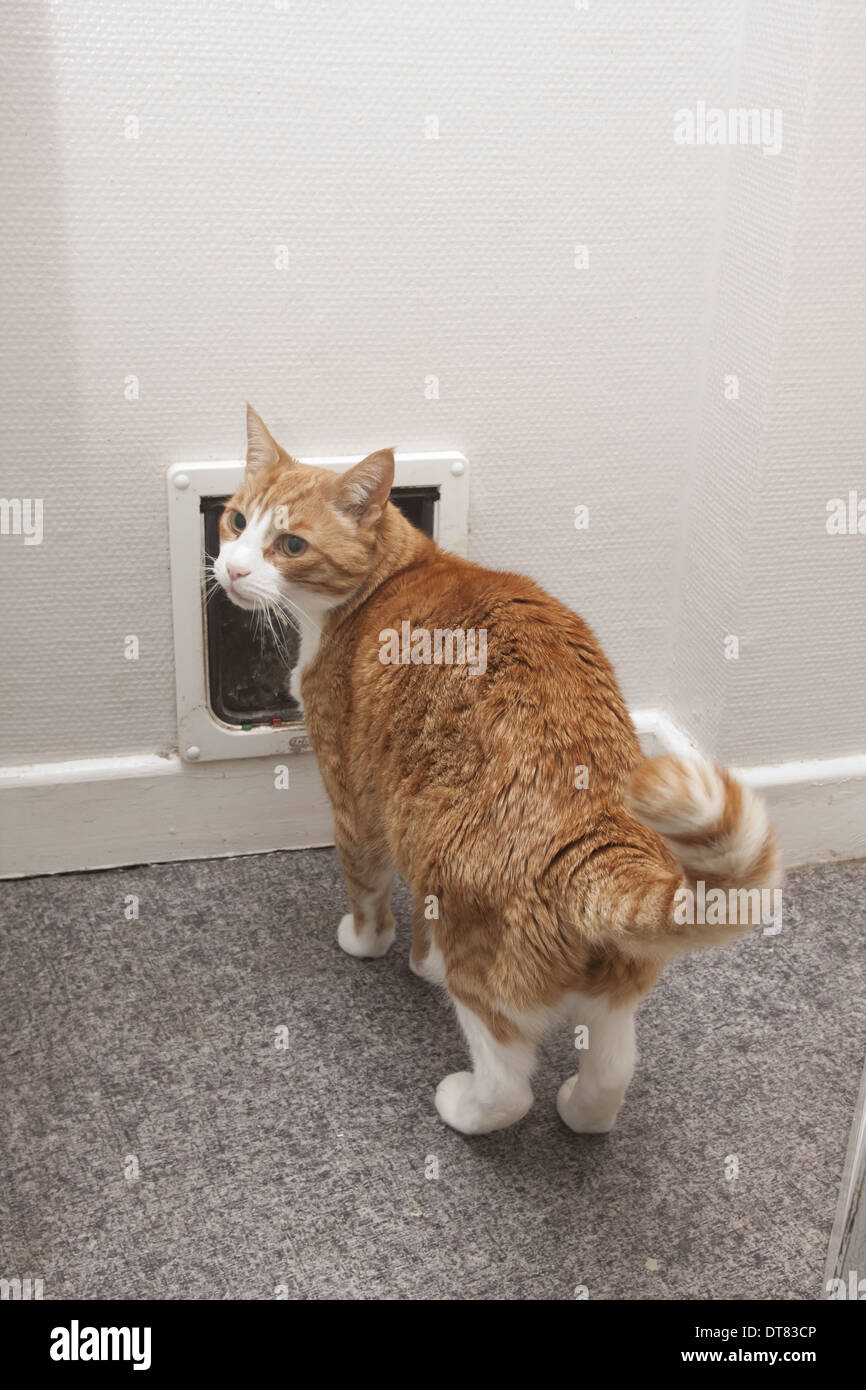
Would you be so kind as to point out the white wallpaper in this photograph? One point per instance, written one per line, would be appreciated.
(244, 200)
(759, 564)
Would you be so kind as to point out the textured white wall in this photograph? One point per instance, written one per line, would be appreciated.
(408, 257)
(758, 562)
(411, 257)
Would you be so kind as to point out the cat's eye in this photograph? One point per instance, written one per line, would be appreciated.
(238, 521)
(291, 545)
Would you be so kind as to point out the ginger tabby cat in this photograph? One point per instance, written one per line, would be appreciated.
(538, 894)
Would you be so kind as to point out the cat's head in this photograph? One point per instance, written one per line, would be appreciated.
(294, 536)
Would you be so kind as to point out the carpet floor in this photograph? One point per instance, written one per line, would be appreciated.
(212, 1101)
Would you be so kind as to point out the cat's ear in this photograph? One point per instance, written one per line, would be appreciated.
(363, 491)
(262, 450)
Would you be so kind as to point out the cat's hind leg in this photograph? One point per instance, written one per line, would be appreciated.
(589, 1101)
(496, 1092)
(425, 958)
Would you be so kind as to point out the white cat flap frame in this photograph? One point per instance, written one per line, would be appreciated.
(202, 735)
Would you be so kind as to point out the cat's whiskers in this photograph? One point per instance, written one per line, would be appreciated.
(294, 613)
(209, 582)
(267, 608)
(277, 635)
(297, 616)
(291, 612)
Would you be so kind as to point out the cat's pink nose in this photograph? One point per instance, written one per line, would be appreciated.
(235, 570)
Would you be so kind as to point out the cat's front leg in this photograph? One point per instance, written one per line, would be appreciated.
(368, 930)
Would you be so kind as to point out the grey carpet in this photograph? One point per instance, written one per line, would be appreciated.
(305, 1167)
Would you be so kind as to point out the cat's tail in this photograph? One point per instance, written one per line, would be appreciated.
(724, 844)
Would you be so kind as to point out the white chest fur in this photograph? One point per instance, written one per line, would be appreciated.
(311, 619)
(311, 636)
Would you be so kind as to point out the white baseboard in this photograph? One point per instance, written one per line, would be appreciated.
(101, 813)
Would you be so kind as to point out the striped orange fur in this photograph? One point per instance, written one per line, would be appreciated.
(543, 851)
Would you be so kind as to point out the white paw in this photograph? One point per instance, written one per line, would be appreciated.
(579, 1116)
(459, 1106)
(367, 943)
(431, 968)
